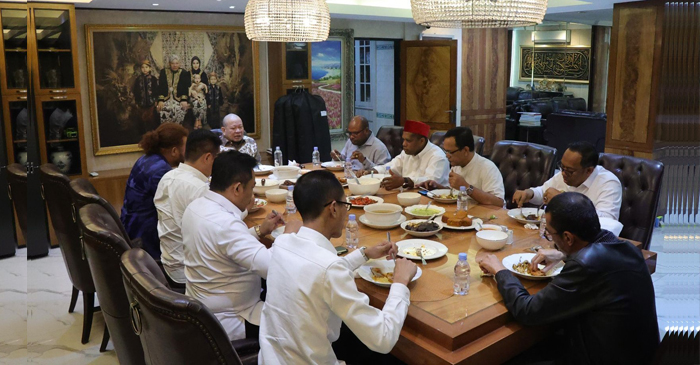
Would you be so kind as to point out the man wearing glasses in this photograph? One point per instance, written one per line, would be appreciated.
(233, 137)
(579, 173)
(362, 147)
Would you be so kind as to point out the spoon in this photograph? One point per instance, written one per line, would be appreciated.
(388, 238)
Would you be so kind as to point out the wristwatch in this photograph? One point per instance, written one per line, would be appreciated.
(406, 182)
(470, 190)
(362, 251)
(257, 231)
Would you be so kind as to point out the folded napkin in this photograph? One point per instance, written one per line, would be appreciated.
(611, 225)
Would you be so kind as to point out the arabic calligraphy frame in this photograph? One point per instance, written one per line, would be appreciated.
(583, 77)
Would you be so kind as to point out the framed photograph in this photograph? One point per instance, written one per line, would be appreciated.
(333, 78)
(570, 64)
(141, 76)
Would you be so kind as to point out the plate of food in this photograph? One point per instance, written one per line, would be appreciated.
(263, 169)
(288, 182)
(361, 201)
(519, 264)
(421, 227)
(447, 196)
(460, 221)
(343, 181)
(333, 165)
(259, 204)
(526, 215)
(423, 211)
(381, 272)
(430, 249)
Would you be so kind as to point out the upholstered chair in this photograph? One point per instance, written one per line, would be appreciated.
(392, 136)
(523, 165)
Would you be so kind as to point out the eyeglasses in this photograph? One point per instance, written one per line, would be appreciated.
(565, 170)
(548, 236)
(347, 205)
(348, 133)
(451, 152)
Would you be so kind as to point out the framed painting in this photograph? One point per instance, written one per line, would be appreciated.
(570, 64)
(141, 76)
(333, 79)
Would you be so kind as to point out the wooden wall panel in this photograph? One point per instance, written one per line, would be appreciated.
(484, 82)
(600, 52)
(111, 185)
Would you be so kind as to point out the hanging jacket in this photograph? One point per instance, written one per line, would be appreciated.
(301, 123)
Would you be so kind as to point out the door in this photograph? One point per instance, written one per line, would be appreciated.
(429, 82)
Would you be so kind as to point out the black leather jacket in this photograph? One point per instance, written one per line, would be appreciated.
(603, 297)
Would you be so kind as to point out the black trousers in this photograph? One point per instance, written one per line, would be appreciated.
(350, 349)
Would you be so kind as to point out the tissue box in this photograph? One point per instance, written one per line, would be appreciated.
(530, 119)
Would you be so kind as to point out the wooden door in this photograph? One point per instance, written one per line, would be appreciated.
(429, 82)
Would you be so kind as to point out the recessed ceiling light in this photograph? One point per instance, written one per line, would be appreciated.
(231, 7)
(156, 4)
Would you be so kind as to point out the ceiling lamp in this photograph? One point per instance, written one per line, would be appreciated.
(287, 20)
(478, 13)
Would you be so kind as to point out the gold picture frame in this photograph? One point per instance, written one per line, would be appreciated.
(114, 68)
(563, 64)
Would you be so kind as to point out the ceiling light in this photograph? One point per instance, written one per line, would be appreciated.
(231, 7)
(287, 20)
(478, 13)
(156, 4)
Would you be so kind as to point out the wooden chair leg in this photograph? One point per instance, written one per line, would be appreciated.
(73, 300)
(105, 339)
(88, 309)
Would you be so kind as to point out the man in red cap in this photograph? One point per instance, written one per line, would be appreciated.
(420, 160)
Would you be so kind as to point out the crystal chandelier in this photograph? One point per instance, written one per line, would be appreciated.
(478, 13)
(287, 20)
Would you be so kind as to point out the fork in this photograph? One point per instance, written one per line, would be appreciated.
(420, 254)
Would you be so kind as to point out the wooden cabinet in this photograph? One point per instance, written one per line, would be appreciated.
(290, 69)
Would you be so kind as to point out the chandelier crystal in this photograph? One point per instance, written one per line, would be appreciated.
(478, 13)
(287, 20)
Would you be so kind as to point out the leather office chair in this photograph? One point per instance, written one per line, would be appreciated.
(392, 138)
(437, 138)
(544, 107)
(577, 104)
(104, 245)
(523, 165)
(570, 126)
(560, 103)
(641, 188)
(56, 190)
(479, 145)
(173, 328)
(17, 191)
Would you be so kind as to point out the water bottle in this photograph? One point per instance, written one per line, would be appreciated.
(291, 207)
(462, 203)
(278, 157)
(348, 168)
(316, 157)
(543, 224)
(352, 232)
(462, 272)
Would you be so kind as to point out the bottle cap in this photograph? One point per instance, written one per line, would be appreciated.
(462, 188)
(290, 188)
(462, 256)
(351, 217)
(277, 148)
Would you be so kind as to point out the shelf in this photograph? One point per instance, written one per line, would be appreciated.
(16, 50)
(53, 50)
(20, 141)
(62, 140)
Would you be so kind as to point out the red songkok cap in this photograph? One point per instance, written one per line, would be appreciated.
(419, 128)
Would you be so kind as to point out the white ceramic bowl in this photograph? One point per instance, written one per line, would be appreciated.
(269, 184)
(286, 172)
(276, 195)
(408, 199)
(383, 214)
(491, 240)
(366, 187)
(411, 211)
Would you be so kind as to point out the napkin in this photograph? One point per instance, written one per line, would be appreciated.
(531, 226)
(292, 163)
(611, 225)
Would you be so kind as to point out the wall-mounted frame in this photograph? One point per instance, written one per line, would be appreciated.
(570, 64)
(115, 56)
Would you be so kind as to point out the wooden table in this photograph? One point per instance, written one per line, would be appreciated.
(475, 328)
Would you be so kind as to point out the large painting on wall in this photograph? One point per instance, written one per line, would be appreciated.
(142, 76)
(572, 64)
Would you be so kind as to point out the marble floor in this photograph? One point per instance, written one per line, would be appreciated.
(36, 328)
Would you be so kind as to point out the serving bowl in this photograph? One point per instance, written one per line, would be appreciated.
(383, 214)
(366, 187)
(491, 240)
(286, 172)
(408, 199)
(259, 189)
(414, 211)
(276, 195)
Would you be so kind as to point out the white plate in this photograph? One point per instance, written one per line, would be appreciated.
(263, 169)
(386, 265)
(364, 221)
(376, 176)
(437, 192)
(421, 234)
(509, 261)
(519, 214)
(257, 207)
(376, 199)
(489, 227)
(434, 249)
(277, 232)
(281, 180)
(473, 226)
(333, 165)
(408, 210)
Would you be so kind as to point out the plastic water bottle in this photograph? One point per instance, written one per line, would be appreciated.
(543, 224)
(278, 157)
(462, 273)
(462, 203)
(291, 207)
(352, 232)
(348, 168)
(316, 157)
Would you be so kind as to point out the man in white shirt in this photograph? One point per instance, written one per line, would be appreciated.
(311, 290)
(176, 190)
(224, 260)
(579, 173)
(419, 161)
(479, 175)
(233, 137)
(362, 147)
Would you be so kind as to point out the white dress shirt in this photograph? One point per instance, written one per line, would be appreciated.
(224, 262)
(310, 291)
(602, 187)
(429, 164)
(176, 190)
(482, 174)
(373, 149)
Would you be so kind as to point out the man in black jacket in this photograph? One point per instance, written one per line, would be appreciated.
(603, 297)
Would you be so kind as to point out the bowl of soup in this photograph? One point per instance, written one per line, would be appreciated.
(423, 211)
(365, 187)
(383, 214)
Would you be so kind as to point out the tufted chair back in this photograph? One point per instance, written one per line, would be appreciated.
(522, 165)
(577, 104)
(479, 145)
(166, 320)
(560, 103)
(104, 245)
(437, 138)
(512, 94)
(641, 187)
(392, 138)
(17, 190)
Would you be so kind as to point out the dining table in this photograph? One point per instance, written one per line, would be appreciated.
(441, 327)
